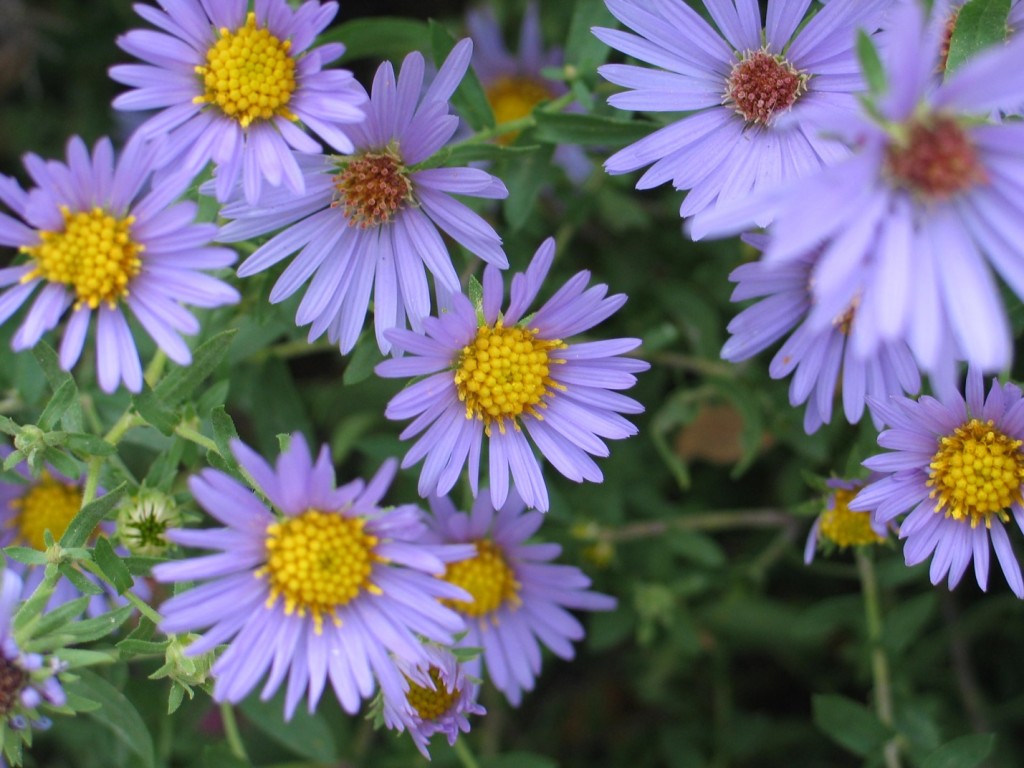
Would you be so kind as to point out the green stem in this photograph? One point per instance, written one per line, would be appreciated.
(194, 436)
(143, 607)
(155, 369)
(465, 754)
(127, 421)
(515, 126)
(703, 521)
(879, 658)
(227, 716)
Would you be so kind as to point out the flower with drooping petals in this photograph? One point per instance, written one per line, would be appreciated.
(232, 86)
(439, 699)
(839, 526)
(818, 357)
(907, 223)
(754, 93)
(329, 586)
(505, 375)
(99, 240)
(521, 600)
(956, 469)
(368, 223)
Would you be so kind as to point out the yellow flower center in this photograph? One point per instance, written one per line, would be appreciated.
(94, 254)
(372, 187)
(976, 473)
(318, 562)
(431, 704)
(845, 527)
(503, 373)
(512, 98)
(487, 577)
(48, 505)
(249, 74)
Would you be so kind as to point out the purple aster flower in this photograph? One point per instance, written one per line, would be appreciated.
(818, 356)
(907, 221)
(957, 468)
(49, 502)
(369, 222)
(27, 680)
(520, 598)
(232, 86)
(328, 586)
(99, 240)
(439, 699)
(754, 94)
(515, 83)
(839, 526)
(495, 374)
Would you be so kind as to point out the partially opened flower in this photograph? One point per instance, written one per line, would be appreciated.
(819, 357)
(232, 86)
(439, 699)
(98, 240)
(514, 81)
(956, 470)
(839, 526)
(520, 598)
(329, 586)
(911, 222)
(754, 94)
(503, 375)
(369, 223)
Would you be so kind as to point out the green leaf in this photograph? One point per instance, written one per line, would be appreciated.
(849, 724)
(85, 522)
(589, 130)
(469, 99)
(382, 37)
(27, 555)
(78, 580)
(8, 427)
(518, 760)
(63, 397)
(88, 445)
(112, 565)
(525, 178)
(84, 631)
(156, 413)
(582, 48)
(305, 734)
(365, 356)
(129, 648)
(870, 63)
(183, 381)
(57, 378)
(76, 658)
(117, 714)
(979, 25)
(224, 432)
(964, 752)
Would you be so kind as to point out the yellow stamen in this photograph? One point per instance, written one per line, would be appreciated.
(487, 577)
(512, 98)
(318, 562)
(977, 473)
(48, 505)
(432, 703)
(94, 254)
(249, 74)
(847, 528)
(504, 372)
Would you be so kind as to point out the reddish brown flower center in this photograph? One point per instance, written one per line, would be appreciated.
(937, 161)
(371, 188)
(12, 680)
(761, 85)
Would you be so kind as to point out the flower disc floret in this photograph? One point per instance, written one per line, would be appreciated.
(94, 254)
(846, 528)
(372, 188)
(318, 562)
(432, 703)
(761, 85)
(504, 372)
(49, 505)
(249, 74)
(487, 577)
(937, 161)
(976, 473)
(513, 97)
